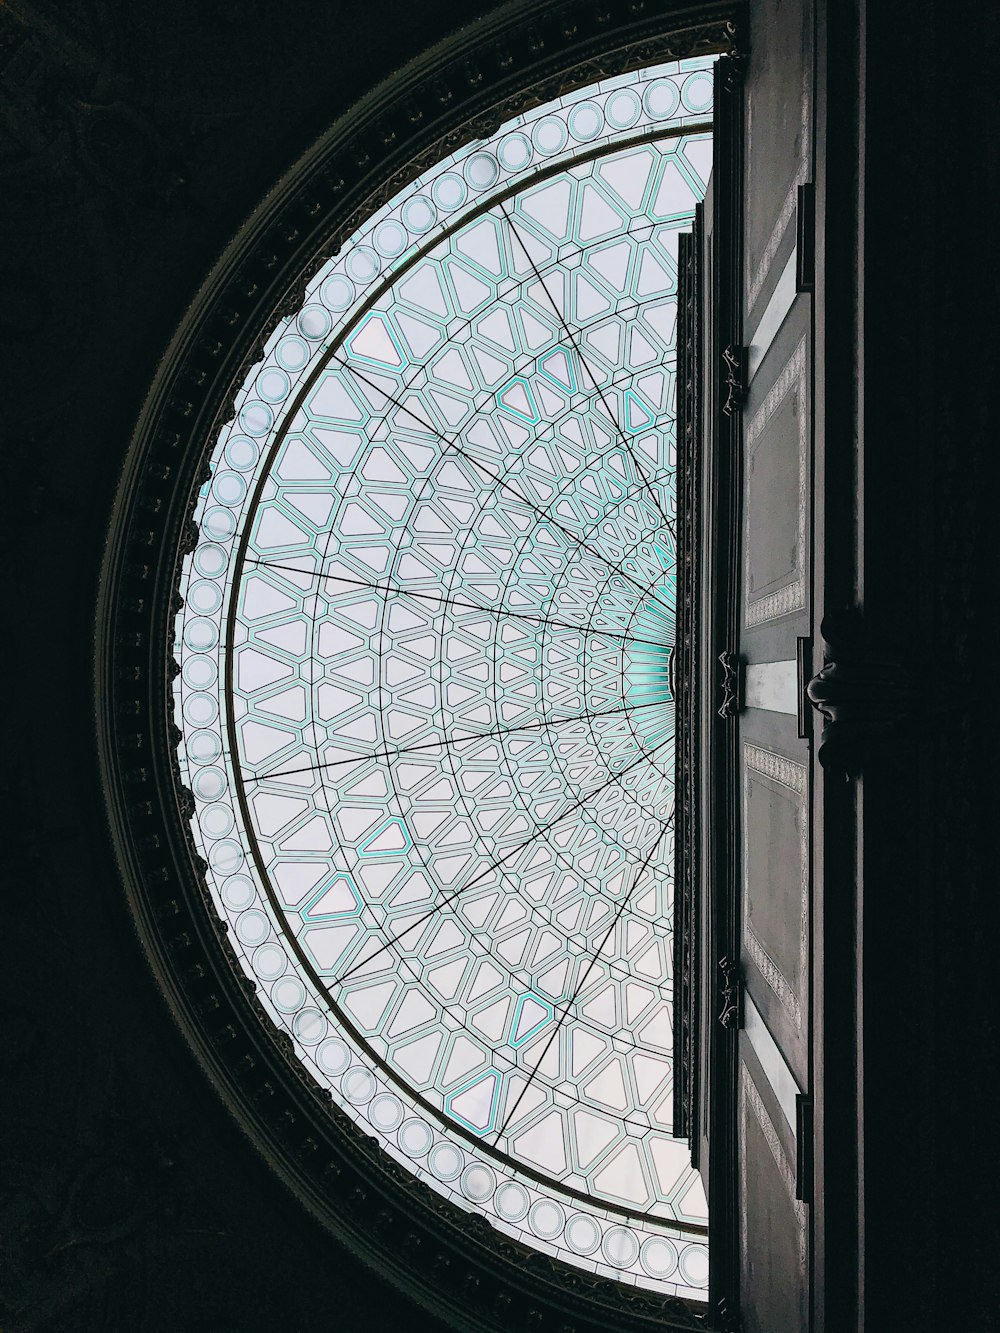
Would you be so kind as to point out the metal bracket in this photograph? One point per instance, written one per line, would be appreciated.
(731, 685)
(734, 363)
(726, 1318)
(731, 994)
(733, 68)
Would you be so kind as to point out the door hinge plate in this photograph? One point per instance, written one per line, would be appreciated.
(726, 1318)
(731, 685)
(803, 658)
(734, 378)
(730, 994)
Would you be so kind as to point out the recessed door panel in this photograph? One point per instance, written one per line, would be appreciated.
(774, 611)
(778, 142)
(773, 1222)
(775, 906)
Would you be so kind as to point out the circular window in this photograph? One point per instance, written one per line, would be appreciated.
(420, 630)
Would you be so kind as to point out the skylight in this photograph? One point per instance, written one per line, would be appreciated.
(424, 694)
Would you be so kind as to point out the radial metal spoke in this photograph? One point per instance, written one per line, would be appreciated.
(498, 862)
(499, 480)
(394, 589)
(578, 988)
(446, 742)
(668, 522)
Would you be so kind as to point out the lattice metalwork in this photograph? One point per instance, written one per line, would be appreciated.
(424, 694)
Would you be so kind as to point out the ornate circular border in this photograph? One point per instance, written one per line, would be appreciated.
(453, 1262)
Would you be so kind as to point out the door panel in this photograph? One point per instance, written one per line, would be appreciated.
(777, 446)
(778, 141)
(773, 1224)
(743, 754)
(775, 905)
(774, 611)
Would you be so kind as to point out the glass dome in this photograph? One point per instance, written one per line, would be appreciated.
(424, 697)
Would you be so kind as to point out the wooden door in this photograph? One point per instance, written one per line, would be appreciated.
(771, 378)
(744, 1022)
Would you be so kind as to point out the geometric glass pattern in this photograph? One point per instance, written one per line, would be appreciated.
(424, 691)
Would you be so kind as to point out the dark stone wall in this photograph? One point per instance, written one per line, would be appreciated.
(931, 909)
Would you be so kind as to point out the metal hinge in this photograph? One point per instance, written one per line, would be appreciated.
(726, 1318)
(734, 380)
(733, 68)
(731, 684)
(731, 994)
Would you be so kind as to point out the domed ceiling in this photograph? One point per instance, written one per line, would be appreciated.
(424, 690)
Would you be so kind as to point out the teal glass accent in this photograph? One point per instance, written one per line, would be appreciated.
(425, 647)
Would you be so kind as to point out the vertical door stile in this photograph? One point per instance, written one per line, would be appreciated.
(746, 1095)
(766, 384)
(724, 444)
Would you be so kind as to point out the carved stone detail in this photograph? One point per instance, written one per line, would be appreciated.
(864, 694)
(750, 1097)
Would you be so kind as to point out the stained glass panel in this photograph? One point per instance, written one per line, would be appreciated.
(424, 693)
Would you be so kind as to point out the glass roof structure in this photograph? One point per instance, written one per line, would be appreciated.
(424, 691)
